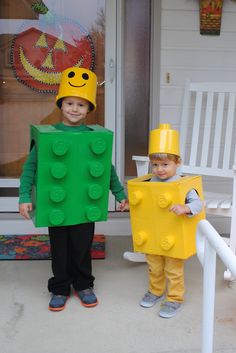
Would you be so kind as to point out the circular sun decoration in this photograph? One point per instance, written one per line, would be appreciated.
(41, 52)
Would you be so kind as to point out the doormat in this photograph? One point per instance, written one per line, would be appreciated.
(37, 247)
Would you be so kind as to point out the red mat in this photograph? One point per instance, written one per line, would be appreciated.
(37, 247)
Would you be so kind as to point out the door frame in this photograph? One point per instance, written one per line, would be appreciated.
(114, 78)
(114, 83)
(155, 64)
(114, 93)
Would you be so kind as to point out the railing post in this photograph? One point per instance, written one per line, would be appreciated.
(209, 275)
(210, 243)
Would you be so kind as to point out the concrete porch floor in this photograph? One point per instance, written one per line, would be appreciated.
(118, 324)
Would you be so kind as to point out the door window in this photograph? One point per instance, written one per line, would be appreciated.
(38, 40)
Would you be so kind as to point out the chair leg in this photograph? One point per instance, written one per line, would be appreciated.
(232, 244)
(232, 241)
(134, 256)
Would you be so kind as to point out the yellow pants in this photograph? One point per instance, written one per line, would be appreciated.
(166, 271)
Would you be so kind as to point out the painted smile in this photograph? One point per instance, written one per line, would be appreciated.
(77, 86)
(49, 78)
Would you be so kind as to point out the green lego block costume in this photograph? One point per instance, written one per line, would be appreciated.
(73, 175)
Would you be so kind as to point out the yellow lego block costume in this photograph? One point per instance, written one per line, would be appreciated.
(155, 229)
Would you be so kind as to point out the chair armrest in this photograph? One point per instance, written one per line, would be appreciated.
(142, 164)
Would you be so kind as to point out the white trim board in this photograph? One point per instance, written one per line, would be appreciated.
(117, 224)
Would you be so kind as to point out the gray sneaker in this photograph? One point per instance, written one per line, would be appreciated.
(150, 299)
(169, 309)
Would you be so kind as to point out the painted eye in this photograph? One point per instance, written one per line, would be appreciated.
(85, 76)
(71, 74)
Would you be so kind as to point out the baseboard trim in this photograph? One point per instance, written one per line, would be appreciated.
(117, 224)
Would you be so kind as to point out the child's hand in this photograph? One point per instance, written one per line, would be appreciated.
(124, 205)
(180, 209)
(24, 209)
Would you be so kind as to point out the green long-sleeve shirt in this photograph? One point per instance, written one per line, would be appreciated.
(29, 171)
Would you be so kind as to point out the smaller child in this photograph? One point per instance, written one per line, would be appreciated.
(164, 270)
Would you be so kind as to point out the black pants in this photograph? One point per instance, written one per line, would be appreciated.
(71, 258)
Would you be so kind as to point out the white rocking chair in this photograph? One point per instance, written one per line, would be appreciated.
(208, 139)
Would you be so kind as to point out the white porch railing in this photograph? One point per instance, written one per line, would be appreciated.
(210, 243)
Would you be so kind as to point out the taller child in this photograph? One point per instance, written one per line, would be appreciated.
(70, 244)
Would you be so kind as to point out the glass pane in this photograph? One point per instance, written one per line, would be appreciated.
(39, 39)
(137, 82)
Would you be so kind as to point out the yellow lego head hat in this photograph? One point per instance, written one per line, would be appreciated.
(78, 82)
(164, 140)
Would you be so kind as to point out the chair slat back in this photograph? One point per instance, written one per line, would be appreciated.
(208, 128)
(218, 129)
(196, 127)
(229, 131)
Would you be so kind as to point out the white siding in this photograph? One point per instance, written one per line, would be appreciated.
(186, 53)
